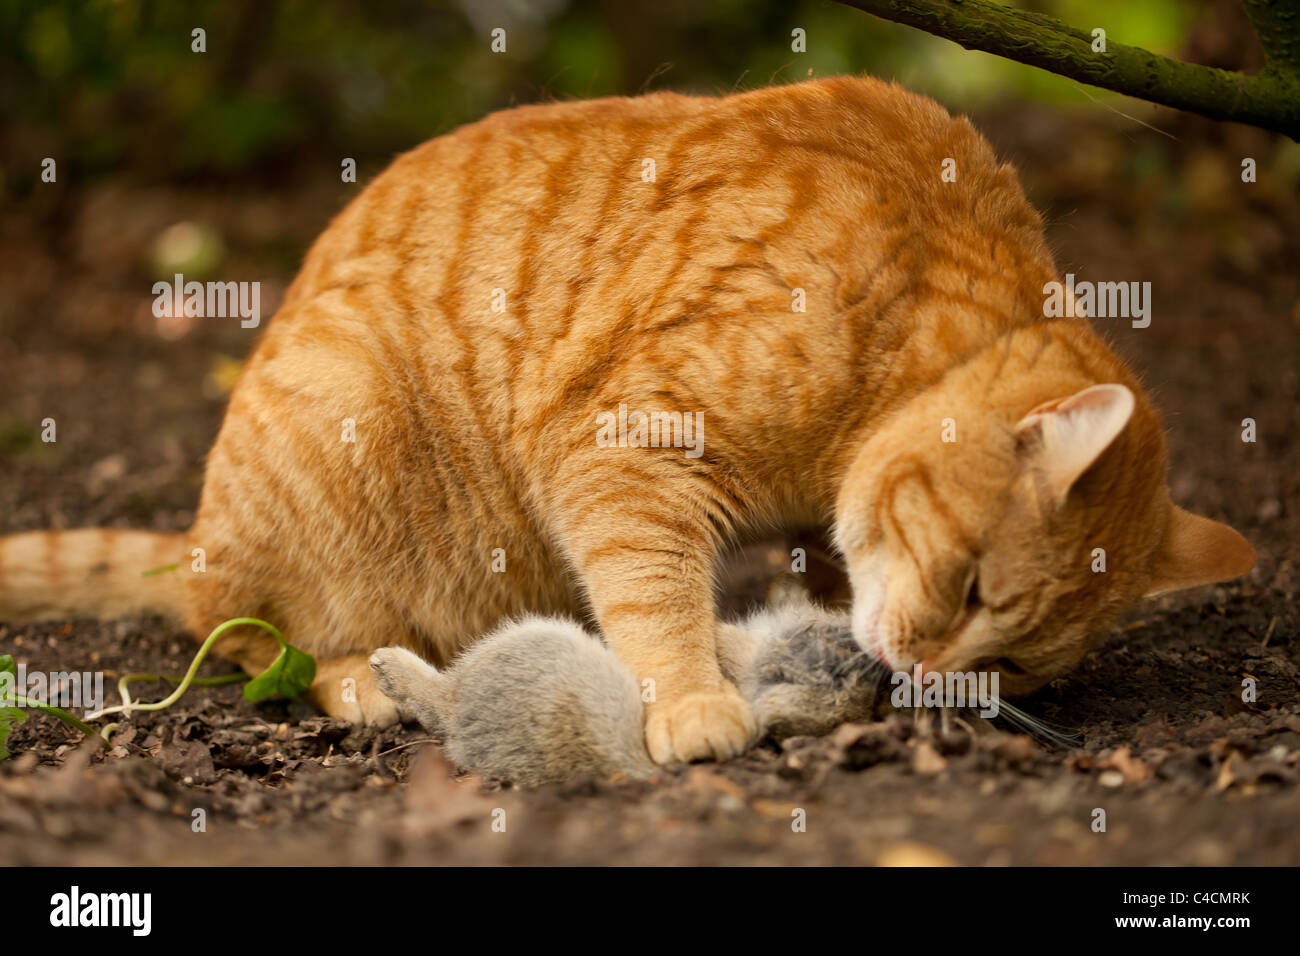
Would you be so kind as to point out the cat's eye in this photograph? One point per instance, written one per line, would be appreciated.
(1008, 665)
(973, 592)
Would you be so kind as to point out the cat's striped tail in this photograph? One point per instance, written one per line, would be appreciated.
(90, 573)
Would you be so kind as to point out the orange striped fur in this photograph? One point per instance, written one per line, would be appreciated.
(476, 430)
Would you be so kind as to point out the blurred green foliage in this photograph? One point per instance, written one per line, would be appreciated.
(111, 86)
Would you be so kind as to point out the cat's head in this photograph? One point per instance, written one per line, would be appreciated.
(985, 528)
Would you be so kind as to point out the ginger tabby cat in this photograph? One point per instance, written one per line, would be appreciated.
(476, 429)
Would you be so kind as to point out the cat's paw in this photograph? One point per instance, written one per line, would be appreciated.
(706, 725)
(349, 690)
(363, 705)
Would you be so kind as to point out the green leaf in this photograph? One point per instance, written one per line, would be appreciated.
(10, 717)
(289, 675)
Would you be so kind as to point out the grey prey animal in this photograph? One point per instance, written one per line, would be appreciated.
(541, 700)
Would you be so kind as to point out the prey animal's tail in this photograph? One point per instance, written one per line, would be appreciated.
(94, 572)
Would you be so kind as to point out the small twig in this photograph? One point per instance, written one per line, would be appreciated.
(1269, 633)
(423, 740)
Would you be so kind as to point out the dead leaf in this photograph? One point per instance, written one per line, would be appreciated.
(858, 746)
(1124, 767)
(1015, 748)
(1229, 771)
(1133, 769)
(926, 760)
(704, 780)
(774, 809)
(436, 799)
(914, 854)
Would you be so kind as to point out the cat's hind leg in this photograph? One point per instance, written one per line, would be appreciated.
(346, 688)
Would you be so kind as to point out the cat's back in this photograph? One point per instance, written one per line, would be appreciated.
(554, 198)
(549, 258)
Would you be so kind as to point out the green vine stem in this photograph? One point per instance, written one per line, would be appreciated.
(154, 678)
(290, 675)
(26, 702)
(128, 706)
(171, 679)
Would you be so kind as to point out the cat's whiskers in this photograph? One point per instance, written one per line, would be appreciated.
(1037, 727)
(950, 717)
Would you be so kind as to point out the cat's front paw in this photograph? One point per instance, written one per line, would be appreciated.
(706, 725)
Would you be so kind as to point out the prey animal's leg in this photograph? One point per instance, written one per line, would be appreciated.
(417, 689)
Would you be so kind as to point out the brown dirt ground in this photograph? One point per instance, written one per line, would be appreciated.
(1186, 772)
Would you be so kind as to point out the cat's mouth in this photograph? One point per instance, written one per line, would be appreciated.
(1006, 665)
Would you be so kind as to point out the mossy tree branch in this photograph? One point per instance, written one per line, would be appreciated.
(1277, 24)
(1270, 100)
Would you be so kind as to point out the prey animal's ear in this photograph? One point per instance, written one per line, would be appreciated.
(1196, 551)
(1066, 435)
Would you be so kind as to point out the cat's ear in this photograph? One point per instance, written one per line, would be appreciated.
(1068, 434)
(1196, 551)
